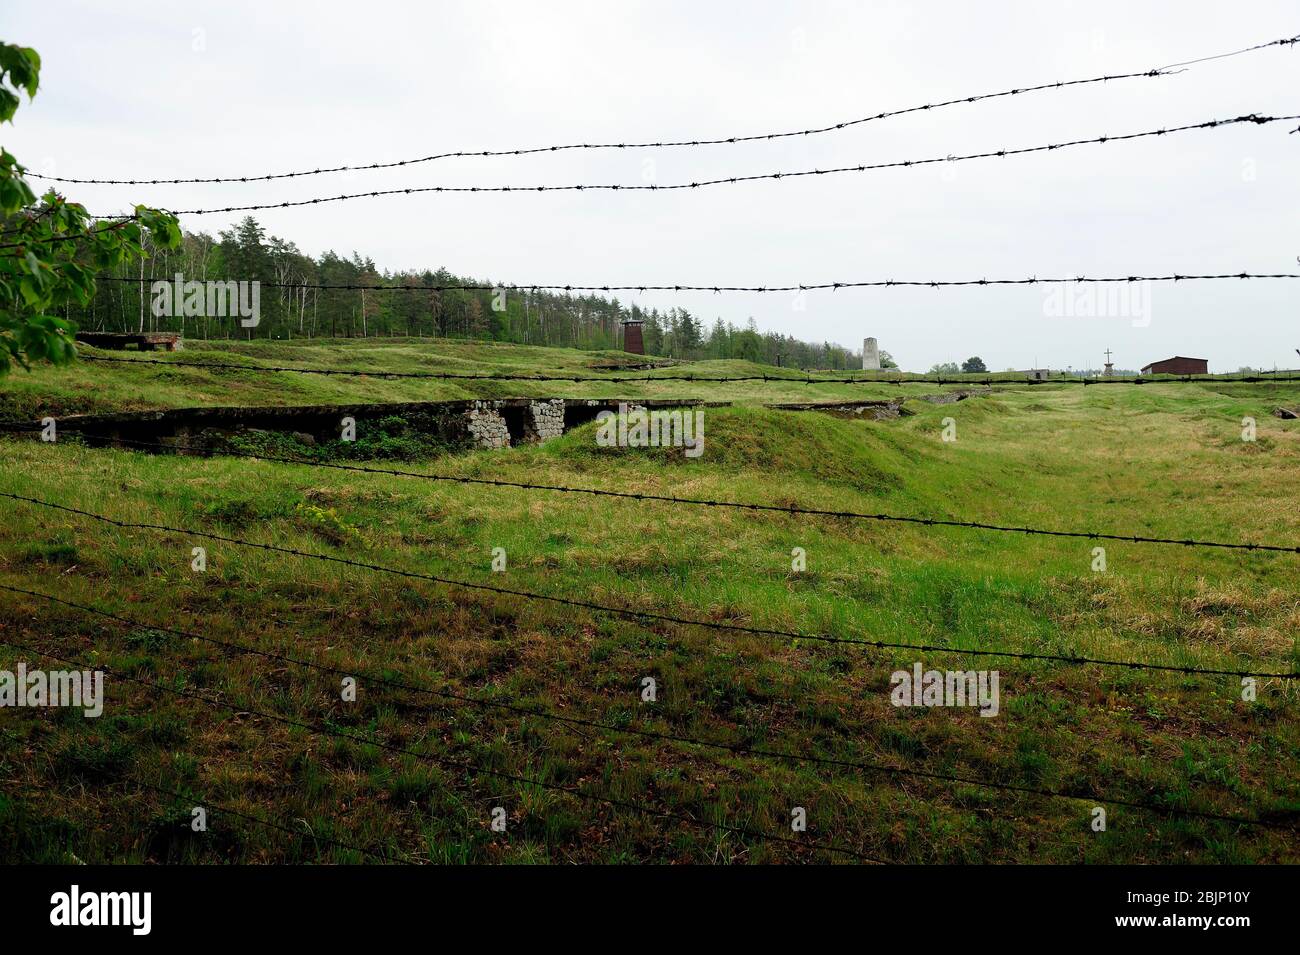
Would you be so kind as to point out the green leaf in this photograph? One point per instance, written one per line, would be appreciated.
(8, 104)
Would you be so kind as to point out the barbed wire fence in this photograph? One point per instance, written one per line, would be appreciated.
(693, 142)
(515, 707)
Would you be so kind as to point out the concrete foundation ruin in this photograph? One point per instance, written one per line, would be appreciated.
(481, 422)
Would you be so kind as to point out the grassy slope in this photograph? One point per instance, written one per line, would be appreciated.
(98, 387)
(1161, 460)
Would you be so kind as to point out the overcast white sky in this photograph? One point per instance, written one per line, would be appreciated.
(177, 89)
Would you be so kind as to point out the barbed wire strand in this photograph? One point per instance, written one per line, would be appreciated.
(630, 613)
(1224, 56)
(811, 287)
(671, 379)
(1253, 118)
(738, 749)
(791, 509)
(727, 140)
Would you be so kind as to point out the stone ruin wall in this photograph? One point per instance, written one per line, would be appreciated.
(487, 426)
(546, 419)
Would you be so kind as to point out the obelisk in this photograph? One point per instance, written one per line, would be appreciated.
(870, 355)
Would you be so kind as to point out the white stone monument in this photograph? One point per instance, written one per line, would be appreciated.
(870, 355)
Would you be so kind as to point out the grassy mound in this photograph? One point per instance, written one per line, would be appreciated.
(741, 440)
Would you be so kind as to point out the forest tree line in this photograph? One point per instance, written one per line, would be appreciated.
(290, 308)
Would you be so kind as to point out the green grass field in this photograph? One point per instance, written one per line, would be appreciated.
(89, 387)
(1165, 460)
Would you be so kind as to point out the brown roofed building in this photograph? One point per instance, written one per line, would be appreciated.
(1178, 365)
